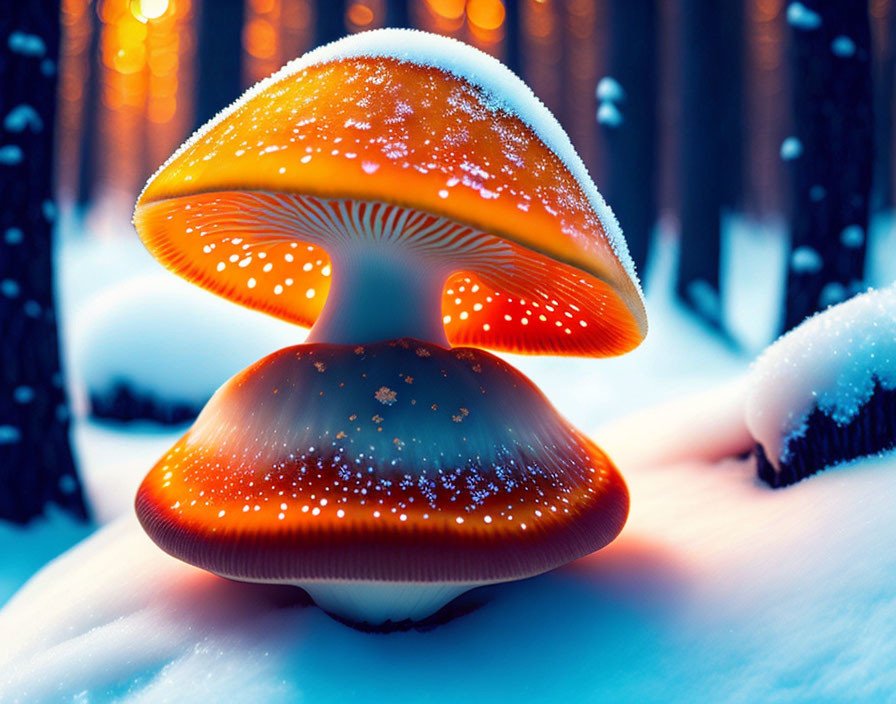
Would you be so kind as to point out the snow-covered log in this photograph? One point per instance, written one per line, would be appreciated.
(825, 393)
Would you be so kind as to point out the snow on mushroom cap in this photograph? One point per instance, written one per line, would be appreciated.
(831, 361)
(431, 127)
(397, 461)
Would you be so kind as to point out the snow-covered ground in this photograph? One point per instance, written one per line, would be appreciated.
(718, 589)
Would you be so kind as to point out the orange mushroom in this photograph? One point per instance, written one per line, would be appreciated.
(384, 479)
(398, 201)
(363, 163)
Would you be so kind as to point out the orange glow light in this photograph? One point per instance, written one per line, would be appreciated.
(260, 38)
(360, 15)
(486, 14)
(449, 9)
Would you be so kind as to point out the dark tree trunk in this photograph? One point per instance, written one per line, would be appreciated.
(831, 164)
(330, 24)
(513, 36)
(732, 106)
(398, 13)
(36, 463)
(87, 156)
(702, 172)
(631, 143)
(885, 114)
(220, 49)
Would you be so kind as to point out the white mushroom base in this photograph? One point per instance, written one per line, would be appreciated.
(375, 603)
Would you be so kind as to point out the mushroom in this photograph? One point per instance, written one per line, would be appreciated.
(399, 202)
(384, 479)
(424, 185)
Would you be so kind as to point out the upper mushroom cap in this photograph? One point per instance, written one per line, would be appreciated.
(428, 138)
(396, 461)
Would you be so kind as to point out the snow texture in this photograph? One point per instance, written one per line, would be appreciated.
(707, 425)
(25, 549)
(168, 340)
(717, 590)
(831, 361)
(504, 91)
(801, 17)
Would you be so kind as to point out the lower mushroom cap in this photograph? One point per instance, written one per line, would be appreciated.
(400, 461)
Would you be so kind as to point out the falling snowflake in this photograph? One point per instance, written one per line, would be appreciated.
(385, 395)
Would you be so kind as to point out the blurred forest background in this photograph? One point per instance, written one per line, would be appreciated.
(685, 110)
(690, 115)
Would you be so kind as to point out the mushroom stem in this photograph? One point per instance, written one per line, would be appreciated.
(382, 292)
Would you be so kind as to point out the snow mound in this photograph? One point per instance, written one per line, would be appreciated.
(503, 89)
(168, 343)
(833, 361)
(717, 591)
(707, 425)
